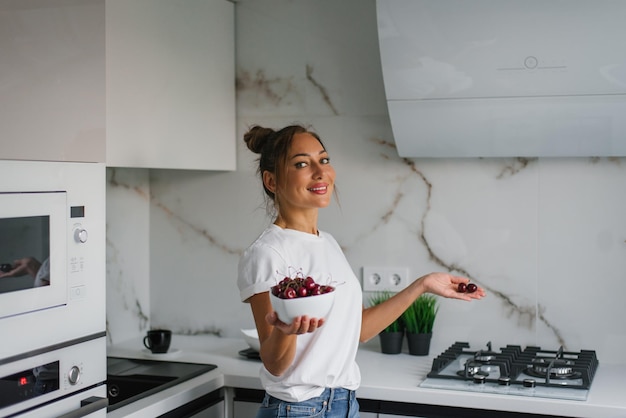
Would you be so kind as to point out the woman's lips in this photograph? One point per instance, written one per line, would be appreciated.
(318, 188)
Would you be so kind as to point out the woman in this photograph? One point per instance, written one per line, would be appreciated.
(309, 367)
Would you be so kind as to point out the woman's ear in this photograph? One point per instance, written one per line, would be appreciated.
(269, 181)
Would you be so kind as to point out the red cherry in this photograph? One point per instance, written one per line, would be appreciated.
(309, 283)
(471, 288)
(462, 288)
(299, 287)
(326, 289)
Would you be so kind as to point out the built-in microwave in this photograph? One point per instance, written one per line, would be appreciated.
(52, 255)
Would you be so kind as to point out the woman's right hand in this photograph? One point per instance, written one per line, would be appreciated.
(300, 325)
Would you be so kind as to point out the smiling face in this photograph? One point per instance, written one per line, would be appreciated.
(308, 179)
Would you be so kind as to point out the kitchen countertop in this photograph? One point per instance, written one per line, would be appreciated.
(388, 377)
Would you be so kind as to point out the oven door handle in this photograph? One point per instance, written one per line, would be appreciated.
(87, 406)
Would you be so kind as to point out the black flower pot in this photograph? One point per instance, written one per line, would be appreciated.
(391, 342)
(419, 344)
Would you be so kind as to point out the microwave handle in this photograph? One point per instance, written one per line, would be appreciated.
(87, 406)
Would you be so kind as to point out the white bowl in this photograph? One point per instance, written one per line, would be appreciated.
(252, 338)
(316, 306)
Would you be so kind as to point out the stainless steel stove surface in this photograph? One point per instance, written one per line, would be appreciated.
(512, 370)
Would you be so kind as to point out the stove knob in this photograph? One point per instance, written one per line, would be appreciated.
(504, 381)
(479, 379)
(73, 375)
(114, 390)
(529, 383)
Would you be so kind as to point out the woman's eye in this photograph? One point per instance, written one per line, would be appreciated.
(325, 160)
(301, 164)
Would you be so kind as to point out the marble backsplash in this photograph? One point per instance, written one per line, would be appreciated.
(545, 237)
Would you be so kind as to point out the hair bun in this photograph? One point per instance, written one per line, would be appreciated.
(257, 137)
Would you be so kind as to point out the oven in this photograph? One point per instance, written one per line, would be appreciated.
(52, 285)
(514, 370)
(66, 380)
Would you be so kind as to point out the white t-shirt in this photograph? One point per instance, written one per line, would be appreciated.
(43, 274)
(326, 357)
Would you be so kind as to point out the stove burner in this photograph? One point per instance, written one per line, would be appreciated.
(485, 355)
(556, 368)
(473, 368)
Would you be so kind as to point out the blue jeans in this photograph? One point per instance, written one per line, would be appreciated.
(332, 403)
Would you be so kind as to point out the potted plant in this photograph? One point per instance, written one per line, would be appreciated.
(391, 338)
(418, 320)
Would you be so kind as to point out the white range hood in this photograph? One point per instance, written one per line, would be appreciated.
(505, 78)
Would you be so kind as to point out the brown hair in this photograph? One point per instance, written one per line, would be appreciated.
(273, 147)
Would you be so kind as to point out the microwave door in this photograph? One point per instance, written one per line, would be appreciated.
(33, 247)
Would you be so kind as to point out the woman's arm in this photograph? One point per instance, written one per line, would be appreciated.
(278, 340)
(379, 317)
(23, 266)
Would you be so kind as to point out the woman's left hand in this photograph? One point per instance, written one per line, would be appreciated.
(446, 285)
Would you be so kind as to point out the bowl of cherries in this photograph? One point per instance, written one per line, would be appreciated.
(294, 297)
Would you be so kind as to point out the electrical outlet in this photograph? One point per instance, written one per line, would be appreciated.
(392, 279)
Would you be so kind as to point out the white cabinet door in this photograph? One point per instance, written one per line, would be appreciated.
(170, 72)
(52, 75)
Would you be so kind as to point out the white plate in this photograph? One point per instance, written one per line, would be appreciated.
(173, 352)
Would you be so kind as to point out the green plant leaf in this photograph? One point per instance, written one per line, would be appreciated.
(420, 316)
(380, 297)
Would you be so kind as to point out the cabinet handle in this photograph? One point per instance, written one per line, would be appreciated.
(87, 406)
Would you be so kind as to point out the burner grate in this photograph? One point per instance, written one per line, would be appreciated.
(583, 366)
(442, 360)
(502, 360)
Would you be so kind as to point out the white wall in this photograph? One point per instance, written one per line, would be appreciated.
(545, 237)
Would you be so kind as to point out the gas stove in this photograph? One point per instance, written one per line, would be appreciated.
(512, 370)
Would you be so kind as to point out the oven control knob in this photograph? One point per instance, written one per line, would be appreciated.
(73, 375)
(80, 235)
(529, 383)
(504, 381)
(480, 379)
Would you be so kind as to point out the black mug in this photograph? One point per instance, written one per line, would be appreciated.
(158, 340)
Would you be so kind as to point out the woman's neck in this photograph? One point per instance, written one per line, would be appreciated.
(303, 224)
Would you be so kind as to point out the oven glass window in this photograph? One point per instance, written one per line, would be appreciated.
(24, 253)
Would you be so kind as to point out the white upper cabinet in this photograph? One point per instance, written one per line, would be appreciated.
(52, 80)
(170, 84)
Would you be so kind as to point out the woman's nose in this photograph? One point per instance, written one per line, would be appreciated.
(318, 171)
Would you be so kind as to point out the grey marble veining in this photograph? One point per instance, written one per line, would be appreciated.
(128, 235)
